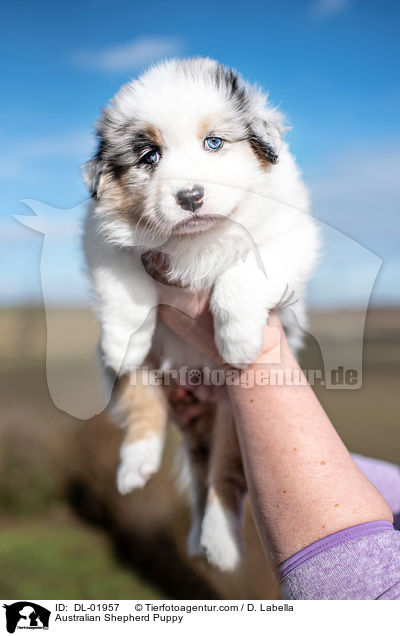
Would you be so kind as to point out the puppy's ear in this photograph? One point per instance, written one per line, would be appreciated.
(266, 134)
(262, 148)
(92, 173)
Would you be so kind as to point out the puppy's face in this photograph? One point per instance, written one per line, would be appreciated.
(181, 148)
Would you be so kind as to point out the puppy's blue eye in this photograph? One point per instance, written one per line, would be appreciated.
(213, 143)
(151, 158)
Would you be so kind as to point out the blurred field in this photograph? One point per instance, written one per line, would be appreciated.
(66, 533)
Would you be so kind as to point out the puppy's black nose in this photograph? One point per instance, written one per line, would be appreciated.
(191, 198)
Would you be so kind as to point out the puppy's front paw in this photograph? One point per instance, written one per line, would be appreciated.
(237, 347)
(220, 536)
(139, 461)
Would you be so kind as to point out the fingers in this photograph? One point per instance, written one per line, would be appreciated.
(198, 330)
(181, 299)
(274, 320)
(177, 320)
(156, 265)
(275, 344)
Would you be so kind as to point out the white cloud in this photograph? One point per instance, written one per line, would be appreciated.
(323, 9)
(129, 56)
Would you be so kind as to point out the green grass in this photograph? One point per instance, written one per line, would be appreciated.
(61, 558)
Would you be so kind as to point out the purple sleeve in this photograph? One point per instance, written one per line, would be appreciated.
(386, 479)
(361, 562)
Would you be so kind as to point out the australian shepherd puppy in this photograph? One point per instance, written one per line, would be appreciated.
(192, 164)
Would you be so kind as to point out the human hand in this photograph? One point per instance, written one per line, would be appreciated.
(193, 321)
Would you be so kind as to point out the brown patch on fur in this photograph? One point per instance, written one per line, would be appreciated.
(226, 479)
(204, 128)
(197, 439)
(104, 184)
(121, 198)
(119, 193)
(141, 409)
(216, 466)
(154, 135)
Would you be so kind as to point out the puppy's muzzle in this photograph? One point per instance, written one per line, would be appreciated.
(191, 198)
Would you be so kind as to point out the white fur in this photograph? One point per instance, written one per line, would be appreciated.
(138, 462)
(220, 536)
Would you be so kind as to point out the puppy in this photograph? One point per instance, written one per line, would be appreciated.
(192, 164)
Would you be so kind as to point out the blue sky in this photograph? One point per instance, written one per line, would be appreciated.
(331, 65)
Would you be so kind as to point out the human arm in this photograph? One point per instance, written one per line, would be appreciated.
(296, 465)
(325, 550)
